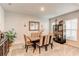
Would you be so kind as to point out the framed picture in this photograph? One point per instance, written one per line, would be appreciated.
(34, 26)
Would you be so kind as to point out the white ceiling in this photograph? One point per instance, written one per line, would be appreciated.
(51, 9)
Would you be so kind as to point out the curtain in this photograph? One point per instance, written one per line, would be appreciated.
(71, 29)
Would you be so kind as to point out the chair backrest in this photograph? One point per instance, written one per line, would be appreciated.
(42, 38)
(45, 40)
(25, 38)
(49, 39)
(35, 34)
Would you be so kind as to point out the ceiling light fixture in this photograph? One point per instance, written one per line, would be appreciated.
(42, 9)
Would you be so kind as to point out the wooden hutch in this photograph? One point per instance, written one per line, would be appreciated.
(58, 30)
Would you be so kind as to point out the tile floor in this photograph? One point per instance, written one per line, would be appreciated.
(58, 50)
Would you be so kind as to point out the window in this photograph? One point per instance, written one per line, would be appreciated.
(71, 29)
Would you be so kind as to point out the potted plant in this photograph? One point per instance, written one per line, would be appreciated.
(10, 35)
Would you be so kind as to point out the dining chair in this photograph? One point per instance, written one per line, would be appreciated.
(35, 34)
(50, 40)
(28, 42)
(41, 43)
(45, 42)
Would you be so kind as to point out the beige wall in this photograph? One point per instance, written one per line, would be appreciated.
(45, 24)
(17, 21)
(68, 16)
(1, 19)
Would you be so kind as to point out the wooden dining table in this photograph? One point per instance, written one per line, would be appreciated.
(34, 40)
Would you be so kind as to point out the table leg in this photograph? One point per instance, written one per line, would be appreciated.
(34, 45)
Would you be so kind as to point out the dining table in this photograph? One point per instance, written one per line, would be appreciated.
(34, 40)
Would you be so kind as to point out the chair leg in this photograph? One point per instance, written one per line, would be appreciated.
(26, 48)
(33, 50)
(34, 45)
(45, 47)
(51, 45)
(39, 49)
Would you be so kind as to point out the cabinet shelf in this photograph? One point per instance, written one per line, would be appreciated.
(59, 33)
